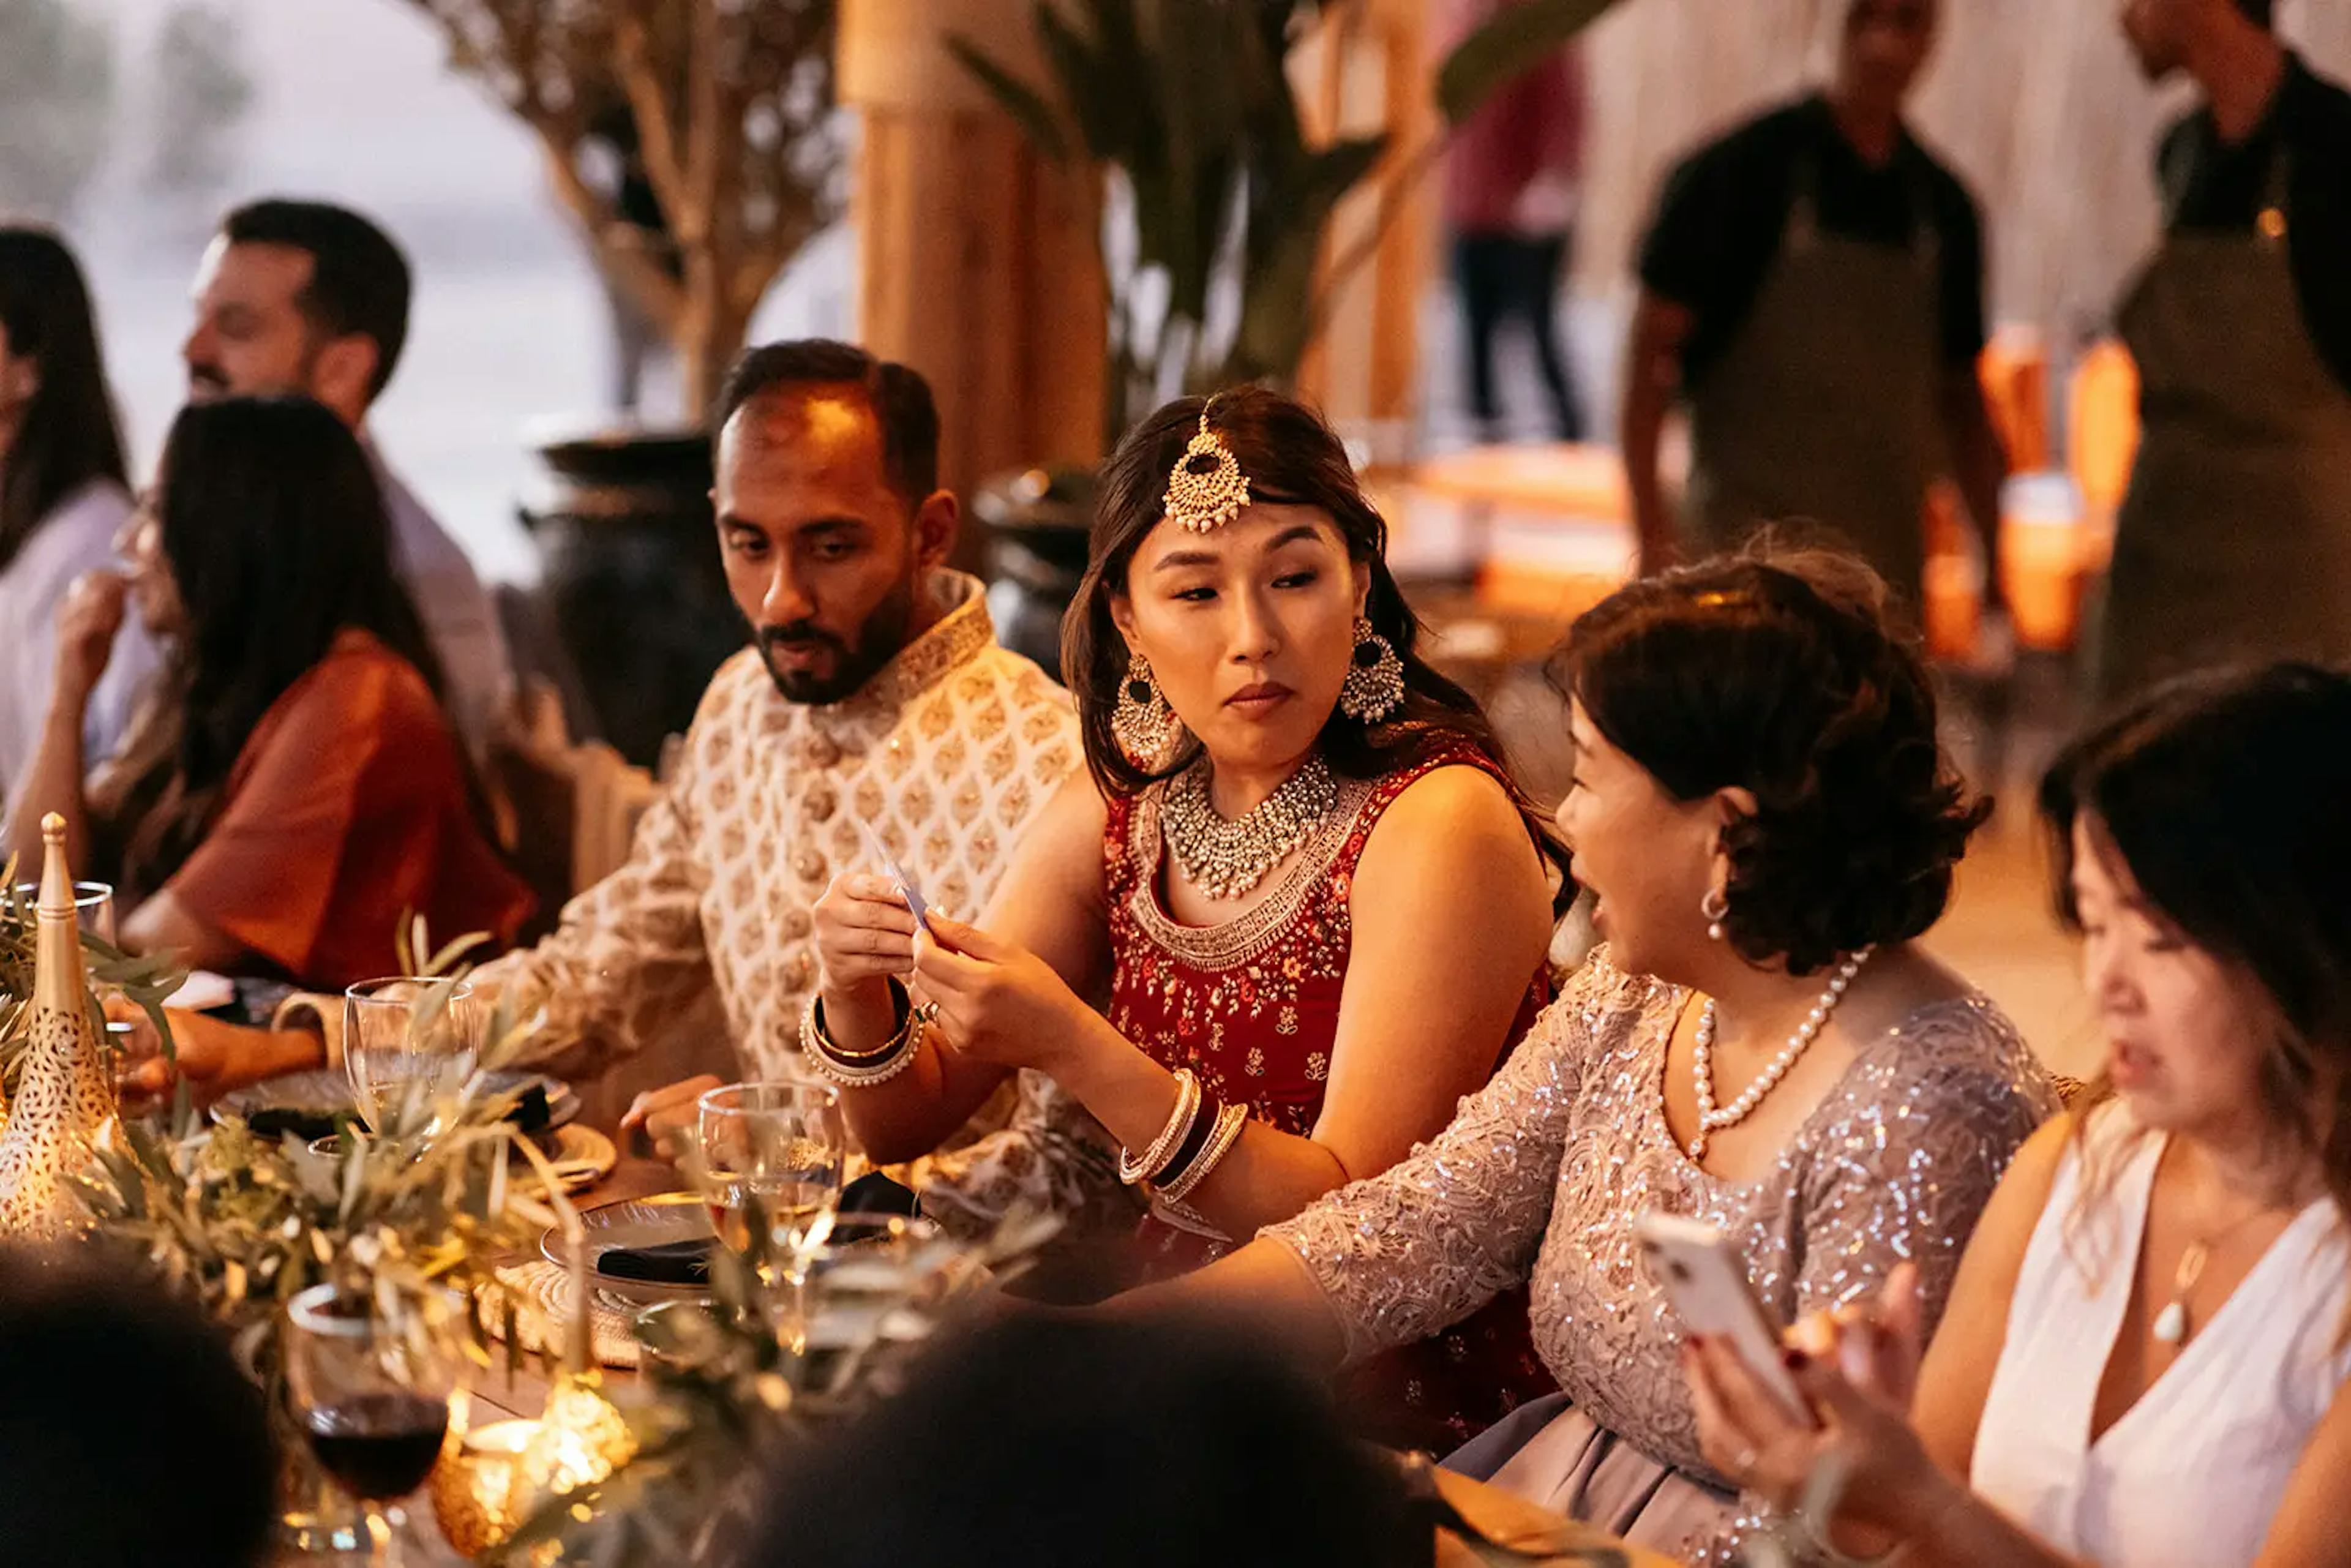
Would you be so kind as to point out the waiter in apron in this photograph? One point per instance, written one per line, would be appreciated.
(1813, 291)
(2234, 541)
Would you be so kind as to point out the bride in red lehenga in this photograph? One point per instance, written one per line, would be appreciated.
(1316, 908)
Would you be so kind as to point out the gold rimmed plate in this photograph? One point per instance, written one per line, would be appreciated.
(656, 1222)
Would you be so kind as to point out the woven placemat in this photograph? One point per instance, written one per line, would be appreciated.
(541, 1294)
(582, 1156)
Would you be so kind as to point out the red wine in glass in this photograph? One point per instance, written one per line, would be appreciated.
(381, 1447)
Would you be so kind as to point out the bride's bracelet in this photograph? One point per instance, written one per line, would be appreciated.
(1230, 1119)
(863, 1070)
(1134, 1169)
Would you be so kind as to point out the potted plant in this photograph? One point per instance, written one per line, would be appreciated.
(1219, 199)
(716, 125)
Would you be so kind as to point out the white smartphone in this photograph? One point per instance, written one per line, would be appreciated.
(915, 903)
(1705, 1280)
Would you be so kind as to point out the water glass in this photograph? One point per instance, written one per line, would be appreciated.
(769, 1160)
(371, 1394)
(405, 1038)
(93, 906)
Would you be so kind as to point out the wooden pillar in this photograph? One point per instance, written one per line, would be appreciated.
(979, 264)
(1371, 69)
(1407, 254)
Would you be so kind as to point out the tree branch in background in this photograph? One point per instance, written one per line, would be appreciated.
(731, 105)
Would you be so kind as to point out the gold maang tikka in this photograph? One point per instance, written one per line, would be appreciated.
(1207, 488)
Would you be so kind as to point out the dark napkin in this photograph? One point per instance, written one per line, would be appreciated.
(306, 1123)
(874, 1193)
(671, 1264)
(531, 1113)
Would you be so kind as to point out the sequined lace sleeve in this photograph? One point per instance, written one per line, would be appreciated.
(1423, 1244)
(1970, 1094)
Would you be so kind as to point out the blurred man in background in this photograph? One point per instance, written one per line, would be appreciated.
(302, 296)
(1813, 287)
(2234, 541)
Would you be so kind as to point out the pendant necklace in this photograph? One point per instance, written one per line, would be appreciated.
(2171, 1324)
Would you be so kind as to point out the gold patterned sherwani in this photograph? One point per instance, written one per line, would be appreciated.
(947, 753)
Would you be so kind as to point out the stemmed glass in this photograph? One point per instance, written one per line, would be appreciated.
(405, 1038)
(94, 912)
(93, 906)
(372, 1392)
(769, 1160)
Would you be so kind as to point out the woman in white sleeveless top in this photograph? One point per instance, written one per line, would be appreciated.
(2144, 1359)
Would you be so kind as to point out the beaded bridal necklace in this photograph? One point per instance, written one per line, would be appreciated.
(1224, 859)
(1710, 1120)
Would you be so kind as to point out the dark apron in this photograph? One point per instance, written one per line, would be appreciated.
(2234, 542)
(1824, 411)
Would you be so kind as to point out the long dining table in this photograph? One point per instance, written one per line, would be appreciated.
(1505, 1519)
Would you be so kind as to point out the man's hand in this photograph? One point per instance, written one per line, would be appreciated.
(214, 1056)
(661, 1113)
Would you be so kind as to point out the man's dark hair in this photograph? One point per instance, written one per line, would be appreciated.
(897, 394)
(109, 1380)
(1069, 1445)
(360, 281)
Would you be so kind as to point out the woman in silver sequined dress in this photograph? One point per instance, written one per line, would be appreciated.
(1762, 810)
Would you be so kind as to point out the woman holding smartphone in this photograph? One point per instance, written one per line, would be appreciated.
(1314, 909)
(2144, 1358)
(1761, 808)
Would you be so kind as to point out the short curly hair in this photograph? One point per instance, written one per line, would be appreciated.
(1781, 674)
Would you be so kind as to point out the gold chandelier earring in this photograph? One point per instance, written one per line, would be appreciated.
(1374, 683)
(1142, 724)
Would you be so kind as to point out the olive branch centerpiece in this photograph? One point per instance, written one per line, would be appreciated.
(724, 1396)
(411, 1207)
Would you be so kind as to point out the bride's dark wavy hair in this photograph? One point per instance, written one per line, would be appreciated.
(1291, 458)
(1781, 674)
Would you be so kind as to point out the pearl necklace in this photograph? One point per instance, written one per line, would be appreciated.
(1224, 859)
(1709, 1119)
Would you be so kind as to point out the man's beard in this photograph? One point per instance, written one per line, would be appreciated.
(880, 640)
(208, 382)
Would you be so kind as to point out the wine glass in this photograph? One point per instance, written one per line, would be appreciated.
(94, 914)
(93, 906)
(405, 1038)
(875, 1284)
(372, 1392)
(770, 1158)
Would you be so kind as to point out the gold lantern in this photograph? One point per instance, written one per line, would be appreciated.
(477, 1490)
(64, 1100)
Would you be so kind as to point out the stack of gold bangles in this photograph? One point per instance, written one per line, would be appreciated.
(864, 1069)
(1189, 1147)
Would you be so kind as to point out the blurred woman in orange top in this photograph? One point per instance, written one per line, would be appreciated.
(290, 789)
